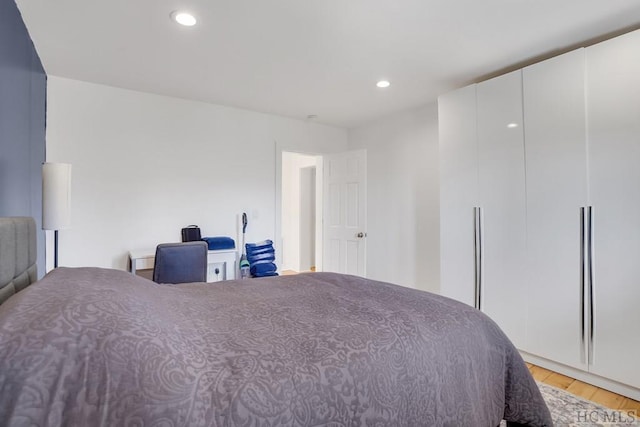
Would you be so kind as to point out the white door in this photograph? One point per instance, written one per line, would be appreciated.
(458, 193)
(502, 203)
(555, 148)
(345, 212)
(613, 91)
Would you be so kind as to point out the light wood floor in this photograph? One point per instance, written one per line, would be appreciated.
(584, 390)
(291, 272)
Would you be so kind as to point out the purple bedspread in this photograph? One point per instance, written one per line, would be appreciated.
(97, 347)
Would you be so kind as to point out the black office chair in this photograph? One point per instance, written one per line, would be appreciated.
(180, 262)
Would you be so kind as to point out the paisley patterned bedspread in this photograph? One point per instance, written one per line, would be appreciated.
(98, 347)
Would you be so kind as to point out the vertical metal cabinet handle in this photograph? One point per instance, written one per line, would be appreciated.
(592, 321)
(582, 285)
(479, 258)
(477, 249)
(476, 253)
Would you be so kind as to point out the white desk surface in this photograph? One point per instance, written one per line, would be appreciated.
(151, 253)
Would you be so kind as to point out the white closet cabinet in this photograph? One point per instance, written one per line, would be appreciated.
(501, 180)
(556, 190)
(458, 192)
(556, 246)
(613, 93)
(483, 200)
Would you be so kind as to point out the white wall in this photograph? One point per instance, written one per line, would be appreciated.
(403, 240)
(145, 165)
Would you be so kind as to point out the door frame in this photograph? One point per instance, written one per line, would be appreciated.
(320, 202)
(309, 224)
(278, 240)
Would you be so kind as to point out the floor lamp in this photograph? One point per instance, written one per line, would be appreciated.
(56, 200)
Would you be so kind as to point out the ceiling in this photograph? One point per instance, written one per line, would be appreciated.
(301, 57)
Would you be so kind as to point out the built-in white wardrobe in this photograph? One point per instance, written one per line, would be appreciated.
(482, 199)
(540, 208)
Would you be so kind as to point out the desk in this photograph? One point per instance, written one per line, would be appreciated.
(221, 264)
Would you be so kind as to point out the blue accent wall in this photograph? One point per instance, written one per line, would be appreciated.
(23, 96)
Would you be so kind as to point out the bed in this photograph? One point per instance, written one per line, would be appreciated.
(100, 347)
(17, 255)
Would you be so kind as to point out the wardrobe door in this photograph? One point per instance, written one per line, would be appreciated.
(458, 192)
(502, 203)
(613, 93)
(555, 150)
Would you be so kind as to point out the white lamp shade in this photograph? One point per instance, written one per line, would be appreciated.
(56, 196)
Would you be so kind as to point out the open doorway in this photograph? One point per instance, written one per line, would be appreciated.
(301, 212)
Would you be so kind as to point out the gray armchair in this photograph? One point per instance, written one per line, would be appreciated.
(180, 262)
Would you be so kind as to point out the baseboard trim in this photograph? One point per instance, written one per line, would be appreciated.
(583, 376)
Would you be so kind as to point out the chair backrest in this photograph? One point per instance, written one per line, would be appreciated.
(180, 262)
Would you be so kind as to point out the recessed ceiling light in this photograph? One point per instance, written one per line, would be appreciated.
(183, 18)
(383, 84)
(512, 125)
